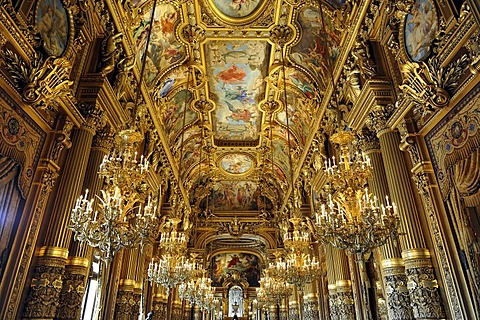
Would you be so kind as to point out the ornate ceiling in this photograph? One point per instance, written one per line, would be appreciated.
(215, 71)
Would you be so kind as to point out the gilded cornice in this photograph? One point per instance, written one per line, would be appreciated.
(375, 92)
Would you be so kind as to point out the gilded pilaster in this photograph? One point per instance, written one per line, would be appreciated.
(293, 312)
(125, 307)
(159, 305)
(344, 294)
(177, 309)
(393, 268)
(283, 312)
(273, 312)
(53, 255)
(332, 288)
(78, 263)
(403, 195)
(310, 307)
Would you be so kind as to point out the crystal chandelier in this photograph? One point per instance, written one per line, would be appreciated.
(273, 288)
(299, 266)
(352, 218)
(198, 291)
(114, 222)
(173, 267)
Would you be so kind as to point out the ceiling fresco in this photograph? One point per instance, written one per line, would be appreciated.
(237, 71)
(225, 123)
(164, 48)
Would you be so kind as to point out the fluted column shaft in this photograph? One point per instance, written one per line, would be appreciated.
(393, 268)
(332, 287)
(79, 260)
(48, 275)
(424, 295)
(343, 285)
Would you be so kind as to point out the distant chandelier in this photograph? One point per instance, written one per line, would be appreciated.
(122, 218)
(273, 288)
(198, 291)
(352, 218)
(173, 267)
(299, 267)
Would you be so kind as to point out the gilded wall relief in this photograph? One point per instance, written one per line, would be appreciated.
(316, 49)
(454, 138)
(247, 264)
(236, 71)
(420, 28)
(236, 163)
(164, 49)
(234, 195)
(52, 23)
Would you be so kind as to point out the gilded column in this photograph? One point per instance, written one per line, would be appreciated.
(44, 295)
(126, 307)
(421, 283)
(177, 307)
(343, 285)
(332, 287)
(392, 266)
(79, 260)
(159, 304)
(310, 306)
(283, 311)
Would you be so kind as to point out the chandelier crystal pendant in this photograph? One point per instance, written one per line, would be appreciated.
(353, 219)
(199, 291)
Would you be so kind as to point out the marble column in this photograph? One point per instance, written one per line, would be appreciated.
(392, 266)
(79, 259)
(47, 282)
(421, 283)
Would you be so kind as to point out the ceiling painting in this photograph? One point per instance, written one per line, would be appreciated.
(190, 154)
(297, 121)
(301, 82)
(237, 71)
(229, 195)
(175, 117)
(281, 157)
(246, 264)
(316, 49)
(170, 81)
(164, 49)
(236, 163)
(237, 8)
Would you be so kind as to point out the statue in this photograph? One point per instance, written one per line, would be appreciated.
(124, 65)
(110, 53)
(149, 316)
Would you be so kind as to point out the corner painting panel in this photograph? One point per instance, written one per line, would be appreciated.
(237, 71)
(164, 48)
(317, 49)
(246, 264)
(52, 24)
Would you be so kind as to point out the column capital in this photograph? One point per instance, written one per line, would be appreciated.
(103, 140)
(368, 141)
(378, 118)
(95, 119)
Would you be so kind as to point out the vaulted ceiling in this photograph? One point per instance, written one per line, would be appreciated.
(220, 74)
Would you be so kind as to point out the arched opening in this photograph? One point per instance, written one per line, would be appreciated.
(235, 301)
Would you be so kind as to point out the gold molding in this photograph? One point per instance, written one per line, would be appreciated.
(392, 263)
(343, 283)
(417, 253)
(56, 252)
(78, 261)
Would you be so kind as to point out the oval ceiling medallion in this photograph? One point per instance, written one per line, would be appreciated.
(237, 8)
(236, 163)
